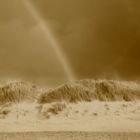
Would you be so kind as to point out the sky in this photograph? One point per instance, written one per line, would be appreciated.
(100, 39)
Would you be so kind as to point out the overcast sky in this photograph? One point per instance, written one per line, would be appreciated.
(100, 39)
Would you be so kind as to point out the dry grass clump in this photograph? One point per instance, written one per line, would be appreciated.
(49, 110)
(89, 90)
(17, 91)
(4, 110)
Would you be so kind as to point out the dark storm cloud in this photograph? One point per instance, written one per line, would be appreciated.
(100, 38)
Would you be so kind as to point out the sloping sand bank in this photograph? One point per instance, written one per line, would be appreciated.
(93, 116)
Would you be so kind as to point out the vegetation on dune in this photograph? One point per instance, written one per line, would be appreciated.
(51, 109)
(82, 90)
(67, 92)
(55, 101)
(17, 91)
(89, 90)
(4, 110)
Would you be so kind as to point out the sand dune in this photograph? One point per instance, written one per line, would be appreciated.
(87, 105)
(82, 90)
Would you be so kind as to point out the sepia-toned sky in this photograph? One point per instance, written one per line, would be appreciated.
(99, 38)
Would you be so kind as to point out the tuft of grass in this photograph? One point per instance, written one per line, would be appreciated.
(4, 110)
(56, 108)
(17, 91)
(52, 109)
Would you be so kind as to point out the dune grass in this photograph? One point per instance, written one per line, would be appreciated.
(89, 90)
(17, 91)
(48, 110)
(82, 90)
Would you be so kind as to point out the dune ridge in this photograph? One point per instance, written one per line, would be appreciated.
(93, 104)
(90, 90)
(82, 90)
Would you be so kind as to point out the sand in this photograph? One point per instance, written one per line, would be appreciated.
(84, 116)
(69, 136)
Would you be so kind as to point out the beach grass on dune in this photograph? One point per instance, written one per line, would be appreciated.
(17, 91)
(82, 90)
(89, 90)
